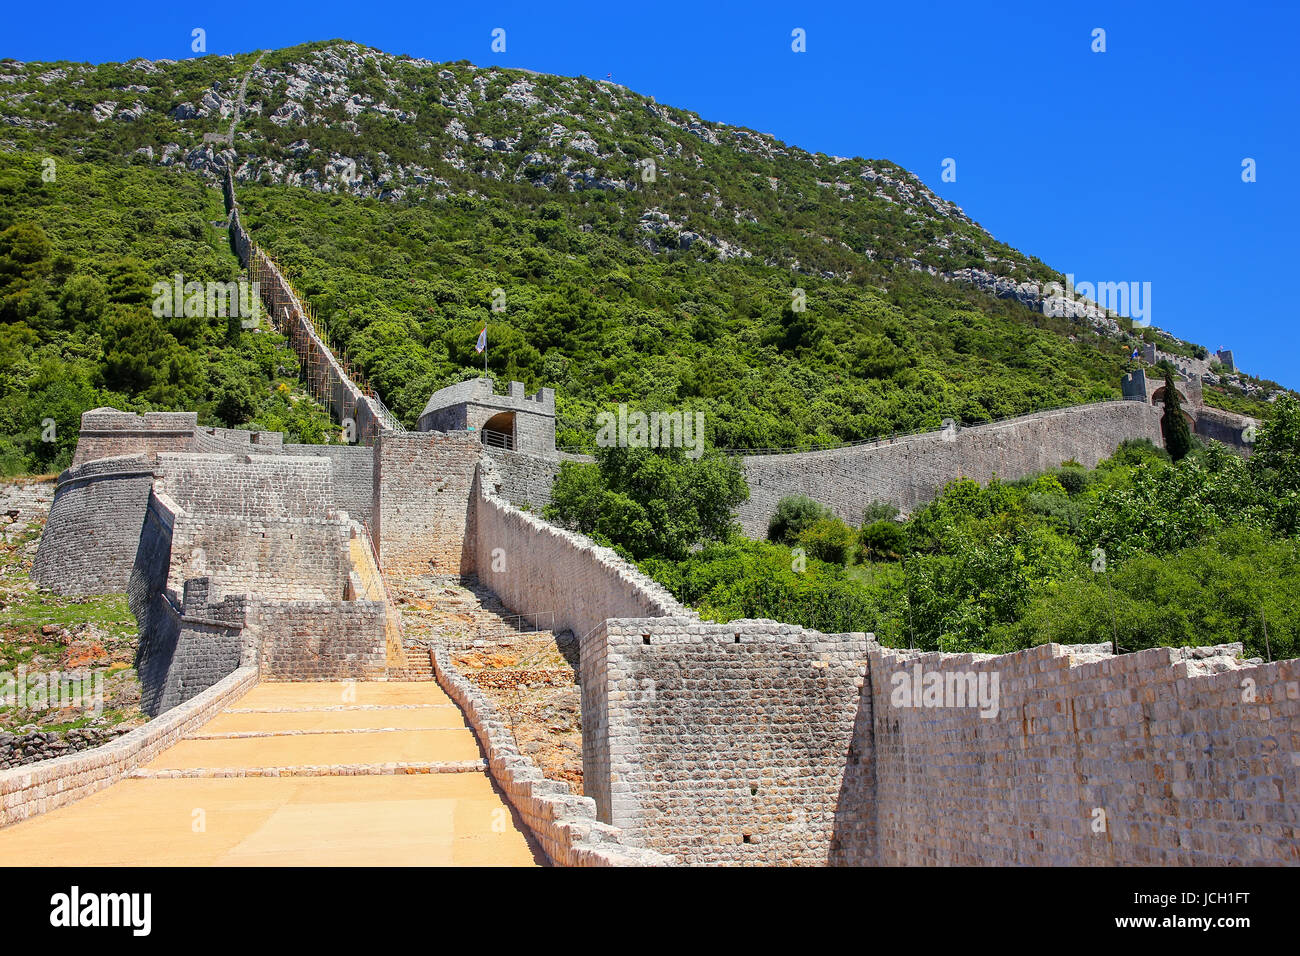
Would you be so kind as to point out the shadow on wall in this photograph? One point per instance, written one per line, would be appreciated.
(853, 837)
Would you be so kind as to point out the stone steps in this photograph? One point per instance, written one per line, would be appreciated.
(461, 617)
(419, 665)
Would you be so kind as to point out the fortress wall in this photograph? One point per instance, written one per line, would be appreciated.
(326, 377)
(696, 735)
(1226, 427)
(1187, 766)
(557, 578)
(148, 580)
(525, 479)
(352, 474)
(275, 558)
(907, 472)
(37, 788)
(191, 648)
(421, 515)
(319, 640)
(188, 641)
(250, 486)
(257, 524)
(108, 433)
(729, 743)
(370, 421)
(237, 441)
(89, 541)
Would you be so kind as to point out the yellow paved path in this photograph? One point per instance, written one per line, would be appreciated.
(456, 819)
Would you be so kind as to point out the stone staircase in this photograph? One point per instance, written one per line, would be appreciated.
(419, 664)
(525, 669)
(463, 615)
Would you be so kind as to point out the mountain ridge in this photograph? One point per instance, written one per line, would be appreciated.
(563, 160)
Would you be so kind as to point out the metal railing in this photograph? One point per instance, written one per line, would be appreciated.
(506, 625)
(386, 418)
(495, 439)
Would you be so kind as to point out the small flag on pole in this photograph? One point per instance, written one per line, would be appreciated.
(482, 340)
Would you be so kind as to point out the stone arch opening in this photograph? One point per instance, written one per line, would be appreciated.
(499, 431)
(1158, 397)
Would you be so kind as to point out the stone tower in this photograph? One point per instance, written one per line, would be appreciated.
(514, 421)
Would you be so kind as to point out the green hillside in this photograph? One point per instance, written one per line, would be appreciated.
(406, 288)
(78, 259)
(642, 253)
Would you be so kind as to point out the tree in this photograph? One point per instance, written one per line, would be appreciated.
(1275, 466)
(24, 259)
(794, 514)
(1173, 425)
(649, 502)
(828, 539)
(882, 540)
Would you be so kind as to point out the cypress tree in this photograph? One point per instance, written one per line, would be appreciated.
(1178, 439)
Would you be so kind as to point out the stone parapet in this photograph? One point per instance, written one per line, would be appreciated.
(563, 823)
(27, 791)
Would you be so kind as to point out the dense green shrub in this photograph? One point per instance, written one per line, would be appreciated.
(649, 502)
(757, 579)
(882, 541)
(794, 514)
(828, 539)
(1073, 478)
(878, 511)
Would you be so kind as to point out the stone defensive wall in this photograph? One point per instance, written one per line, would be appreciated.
(1163, 757)
(108, 433)
(563, 822)
(189, 648)
(422, 511)
(88, 545)
(1227, 427)
(760, 742)
(254, 569)
(90, 538)
(258, 525)
(728, 743)
(50, 784)
(524, 480)
(909, 471)
(235, 441)
(556, 577)
(352, 474)
(318, 640)
(326, 376)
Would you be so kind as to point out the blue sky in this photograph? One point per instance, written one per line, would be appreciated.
(1115, 166)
